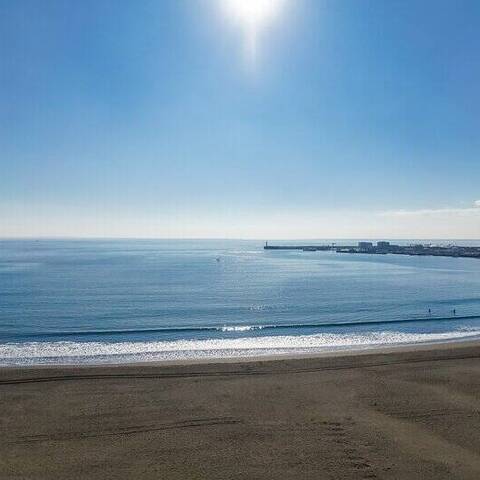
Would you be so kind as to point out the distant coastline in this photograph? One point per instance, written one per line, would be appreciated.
(384, 248)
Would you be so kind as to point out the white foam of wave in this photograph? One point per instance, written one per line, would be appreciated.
(241, 328)
(124, 352)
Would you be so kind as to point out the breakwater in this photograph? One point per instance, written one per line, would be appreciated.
(383, 248)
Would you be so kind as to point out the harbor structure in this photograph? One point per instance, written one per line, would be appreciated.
(385, 247)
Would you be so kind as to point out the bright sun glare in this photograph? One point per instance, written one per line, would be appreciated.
(253, 13)
(252, 16)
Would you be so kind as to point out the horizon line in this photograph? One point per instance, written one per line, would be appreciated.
(262, 239)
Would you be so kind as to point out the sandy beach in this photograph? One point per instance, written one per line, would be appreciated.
(410, 413)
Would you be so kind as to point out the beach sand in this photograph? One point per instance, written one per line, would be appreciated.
(411, 413)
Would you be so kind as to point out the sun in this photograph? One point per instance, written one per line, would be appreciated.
(253, 13)
(252, 17)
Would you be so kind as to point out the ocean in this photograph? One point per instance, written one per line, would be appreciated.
(120, 301)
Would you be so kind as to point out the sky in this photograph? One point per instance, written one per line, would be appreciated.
(193, 119)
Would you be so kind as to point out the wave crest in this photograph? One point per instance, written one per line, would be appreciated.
(66, 352)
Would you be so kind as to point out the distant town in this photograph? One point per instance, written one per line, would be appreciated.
(384, 248)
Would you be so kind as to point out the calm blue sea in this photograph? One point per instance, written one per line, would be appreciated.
(103, 301)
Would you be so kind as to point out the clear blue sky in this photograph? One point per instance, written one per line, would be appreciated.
(125, 118)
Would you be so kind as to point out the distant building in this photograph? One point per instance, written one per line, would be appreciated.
(383, 244)
(365, 245)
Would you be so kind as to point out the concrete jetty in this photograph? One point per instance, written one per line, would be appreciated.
(384, 248)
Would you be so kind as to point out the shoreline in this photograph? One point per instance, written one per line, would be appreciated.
(410, 413)
(337, 352)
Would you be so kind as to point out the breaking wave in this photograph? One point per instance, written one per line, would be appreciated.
(239, 328)
(66, 352)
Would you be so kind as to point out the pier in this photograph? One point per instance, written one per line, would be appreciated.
(384, 248)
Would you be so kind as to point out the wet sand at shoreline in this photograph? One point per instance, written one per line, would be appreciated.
(411, 413)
